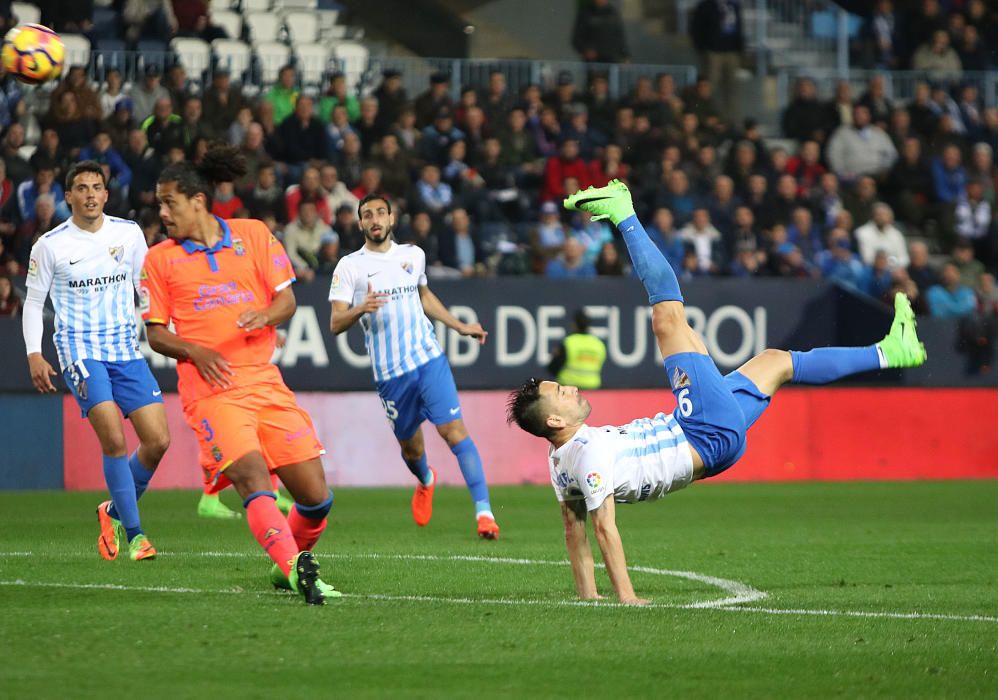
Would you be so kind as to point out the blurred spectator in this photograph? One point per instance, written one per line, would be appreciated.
(837, 262)
(225, 203)
(875, 99)
(345, 226)
(974, 221)
(193, 123)
(102, 151)
(577, 128)
(142, 161)
(338, 128)
(17, 167)
(391, 97)
(901, 129)
(43, 219)
(598, 34)
(969, 267)
(951, 298)
(50, 149)
(437, 138)
(972, 51)
(790, 262)
(87, 100)
(10, 303)
(433, 195)
(840, 108)
(721, 205)
(565, 93)
(878, 279)
(222, 103)
(337, 194)
(337, 94)
(805, 117)
(329, 253)
(880, 234)
(760, 201)
(880, 35)
(43, 183)
(665, 236)
(860, 200)
(283, 95)
(567, 164)
(987, 296)
(194, 20)
(164, 129)
(921, 273)
(677, 197)
(308, 189)
(610, 167)
(254, 150)
(806, 168)
(112, 93)
(699, 100)
(591, 234)
(394, 167)
(982, 169)
(75, 129)
(349, 162)
(408, 135)
(421, 234)
(860, 148)
(179, 87)
(370, 182)
(235, 132)
(149, 19)
(826, 201)
(602, 107)
(432, 102)
(609, 263)
(909, 183)
(459, 248)
(803, 233)
(786, 200)
(938, 58)
(265, 194)
(120, 124)
(716, 31)
(923, 113)
(367, 125)
(704, 170)
(303, 238)
(303, 137)
(549, 235)
(571, 263)
(705, 240)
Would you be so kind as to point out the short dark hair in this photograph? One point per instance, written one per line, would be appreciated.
(220, 164)
(84, 166)
(582, 321)
(523, 407)
(372, 197)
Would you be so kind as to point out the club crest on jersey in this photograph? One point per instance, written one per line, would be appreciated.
(216, 453)
(143, 275)
(117, 252)
(594, 480)
(407, 266)
(680, 379)
(237, 245)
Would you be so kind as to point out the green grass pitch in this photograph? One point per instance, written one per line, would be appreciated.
(871, 589)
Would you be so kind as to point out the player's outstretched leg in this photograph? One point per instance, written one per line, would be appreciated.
(900, 348)
(414, 456)
(470, 462)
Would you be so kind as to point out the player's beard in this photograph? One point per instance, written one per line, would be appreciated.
(378, 240)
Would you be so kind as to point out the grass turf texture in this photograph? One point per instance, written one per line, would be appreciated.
(877, 547)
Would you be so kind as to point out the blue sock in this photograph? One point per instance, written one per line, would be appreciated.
(120, 484)
(141, 477)
(653, 269)
(471, 469)
(823, 365)
(419, 468)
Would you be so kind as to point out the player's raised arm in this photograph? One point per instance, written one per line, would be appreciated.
(605, 528)
(573, 513)
(435, 309)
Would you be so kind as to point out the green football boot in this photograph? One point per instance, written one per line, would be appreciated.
(901, 347)
(284, 503)
(211, 506)
(279, 581)
(140, 549)
(612, 202)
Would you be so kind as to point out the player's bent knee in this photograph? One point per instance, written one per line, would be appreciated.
(114, 445)
(318, 510)
(159, 445)
(668, 318)
(453, 432)
(780, 360)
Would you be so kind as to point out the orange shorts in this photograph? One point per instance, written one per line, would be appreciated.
(264, 418)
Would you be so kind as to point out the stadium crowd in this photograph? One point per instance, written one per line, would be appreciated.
(877, 195)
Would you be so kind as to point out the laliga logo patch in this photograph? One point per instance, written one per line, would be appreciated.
(407, 266)
(336, 281)
(594, 480)
(32, 268)
(237, 245)
(144, 304)
(117, 252)
(680, 379)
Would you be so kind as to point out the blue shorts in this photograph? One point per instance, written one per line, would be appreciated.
(713, 411)
(426, 393)
(129, 384)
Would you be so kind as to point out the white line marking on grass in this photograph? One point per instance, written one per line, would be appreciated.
(740, 593)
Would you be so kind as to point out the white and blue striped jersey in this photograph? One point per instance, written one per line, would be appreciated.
(92, 279)
(640, 461)
(399, 337)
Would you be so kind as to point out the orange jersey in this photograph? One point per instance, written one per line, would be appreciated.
(203, 291)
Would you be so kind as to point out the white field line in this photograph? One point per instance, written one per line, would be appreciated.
(740, 593)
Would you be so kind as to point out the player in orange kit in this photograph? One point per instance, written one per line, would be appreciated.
(225, 285)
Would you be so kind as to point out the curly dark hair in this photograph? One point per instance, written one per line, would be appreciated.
(523, 407)
(221, 163)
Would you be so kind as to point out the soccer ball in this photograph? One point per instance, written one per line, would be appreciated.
(33, 54)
